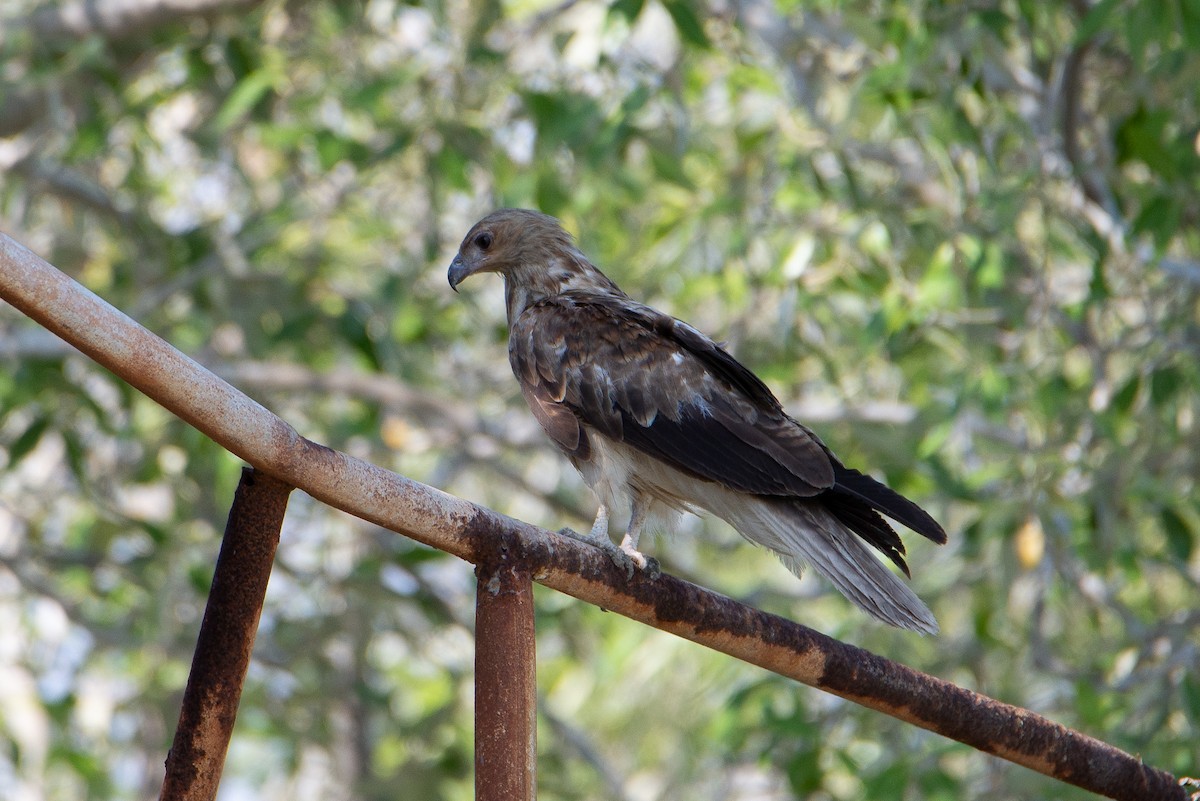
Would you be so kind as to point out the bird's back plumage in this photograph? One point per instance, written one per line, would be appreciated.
(626, 371)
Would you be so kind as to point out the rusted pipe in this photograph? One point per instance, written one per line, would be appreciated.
(797, 652)
(505, 683)
(471, 532)
(222, 656)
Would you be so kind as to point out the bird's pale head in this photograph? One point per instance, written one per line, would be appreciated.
(533, 253)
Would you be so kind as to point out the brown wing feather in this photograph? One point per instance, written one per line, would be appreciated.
(642, 377)
(557, 420)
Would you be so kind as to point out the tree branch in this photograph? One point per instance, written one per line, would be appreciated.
(77, 19)
(19, 109)
(1070, 94)
(73, 186)
(117, 19)
(477, 534)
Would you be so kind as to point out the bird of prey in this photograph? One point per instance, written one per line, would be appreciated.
(658, 418)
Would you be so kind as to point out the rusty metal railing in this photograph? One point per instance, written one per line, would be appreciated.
(235, 602)
(509, 556)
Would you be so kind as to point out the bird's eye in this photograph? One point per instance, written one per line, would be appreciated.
(483, 241)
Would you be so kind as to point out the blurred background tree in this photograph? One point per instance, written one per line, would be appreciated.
(961, 240)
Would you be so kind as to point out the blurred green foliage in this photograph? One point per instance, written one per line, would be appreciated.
(960, 240)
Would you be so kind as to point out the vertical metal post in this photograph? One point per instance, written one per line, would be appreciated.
(222, 655)
(505, 684)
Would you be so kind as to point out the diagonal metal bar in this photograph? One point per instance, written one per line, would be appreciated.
(505, 682)
(472, 532)
(222, 656)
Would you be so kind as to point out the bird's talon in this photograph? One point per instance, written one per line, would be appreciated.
(621, 558)
(647, 564)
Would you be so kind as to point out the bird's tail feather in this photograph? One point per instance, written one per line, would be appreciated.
(803, 533)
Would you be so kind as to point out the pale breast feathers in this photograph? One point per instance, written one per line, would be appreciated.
(641, 377)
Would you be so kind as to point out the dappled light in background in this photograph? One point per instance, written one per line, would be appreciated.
(960, 243)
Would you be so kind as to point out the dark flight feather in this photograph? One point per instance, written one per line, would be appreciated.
(850, 482)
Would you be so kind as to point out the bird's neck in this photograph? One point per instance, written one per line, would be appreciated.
(517, 298)
(535, 282)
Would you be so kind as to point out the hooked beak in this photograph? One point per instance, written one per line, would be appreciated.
(458, 271)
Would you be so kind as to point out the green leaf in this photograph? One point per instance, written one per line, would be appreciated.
(996, 21)
(1191, 695)
(1095, 20)
(200, 577)
(567, 118)
(1124, 398)
(1141, 137)
(940, 286)
(669, 167)
(452, 167)
(332, 148)
(244, 97)
(551, 195)
(1098, 290)
(629, 9)
(804, 772)
(1181, 539)
(890, 783)
(28, 440)
(690, 28)
(934, 439)
(1160, 218)
(242, 56)
(1189, 13)
(1164, 383)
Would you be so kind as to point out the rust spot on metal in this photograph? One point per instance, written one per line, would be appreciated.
(1012, 733)
(214, 687)
(493, 541)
